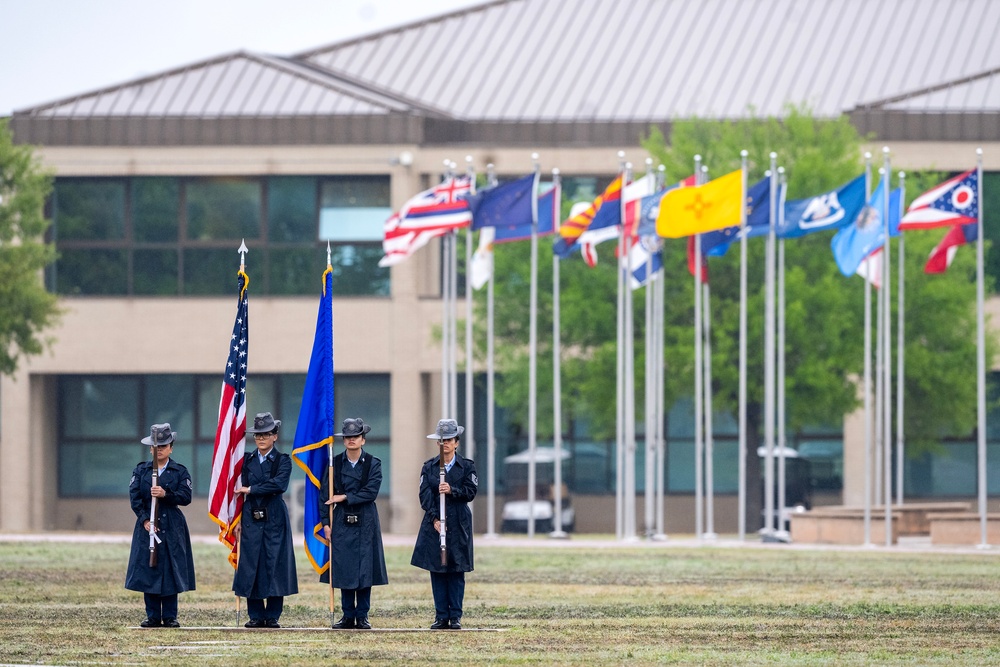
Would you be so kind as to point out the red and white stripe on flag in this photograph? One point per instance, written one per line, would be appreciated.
(429, 214)
(224, 505)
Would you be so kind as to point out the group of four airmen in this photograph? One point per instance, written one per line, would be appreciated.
(266, 573)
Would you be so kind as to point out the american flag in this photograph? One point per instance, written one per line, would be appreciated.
(430, 214)
(224, 506)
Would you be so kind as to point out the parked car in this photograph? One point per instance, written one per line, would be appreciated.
(517, 510)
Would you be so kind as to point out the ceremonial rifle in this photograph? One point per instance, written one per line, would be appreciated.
(441, 511)
(153, 539)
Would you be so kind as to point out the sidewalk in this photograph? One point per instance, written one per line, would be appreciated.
(906, 545)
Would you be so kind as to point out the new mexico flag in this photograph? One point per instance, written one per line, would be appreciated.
(704, 208)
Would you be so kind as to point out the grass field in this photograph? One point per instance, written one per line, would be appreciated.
(63, 603)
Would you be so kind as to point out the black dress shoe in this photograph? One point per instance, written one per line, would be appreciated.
(271, 623)
(456, 625)
(362, 624)
(254, 623)
(150, 623)
(441, 624)
(171, 623)
(343, 624)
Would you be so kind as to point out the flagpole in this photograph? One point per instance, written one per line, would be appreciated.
(558, 531)
(445, 312)
(630, 440)
(887, 352)
(781, 533)
(620, 387)
(900, 341)
(658, 369)
(879, 403)
(710, 533)
(980, 355)
(491, 441)
(649, 386)
(867, 379)
(742, 492)
(470, 446)
(329, 448)
(699, 444)
(453, 310)
(533, 360)
(769, 358)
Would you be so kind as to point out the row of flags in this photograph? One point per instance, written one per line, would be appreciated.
(638, 211)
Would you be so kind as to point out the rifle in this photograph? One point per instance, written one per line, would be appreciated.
(153, 539)
(441, 511)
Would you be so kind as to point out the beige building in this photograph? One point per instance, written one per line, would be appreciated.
(159, 179)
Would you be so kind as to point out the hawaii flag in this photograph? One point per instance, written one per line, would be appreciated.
(430, 214)
(224, 506)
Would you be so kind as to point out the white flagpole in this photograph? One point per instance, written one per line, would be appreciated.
(879, 404)
(868, 379)
(446, 245)
(558, 532)
(698, 396)
(626, 287)
(886, 343)
(533, 359)
(659, 372)
(453, 307)
(742, 492)
(781, 533)
(650, 386)
(710, 533)
(769, 358)
(900, 341)
(620, 391)
(470, 445)
(980, 356)
(491, 440)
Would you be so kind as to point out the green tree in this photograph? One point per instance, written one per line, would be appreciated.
(824, 310)
(26, 308)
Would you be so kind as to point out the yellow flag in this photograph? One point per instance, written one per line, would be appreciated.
(705, 208)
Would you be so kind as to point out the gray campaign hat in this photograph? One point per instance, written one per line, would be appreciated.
(264, 423)
(354, 426)
(447, 428)
(160, 435)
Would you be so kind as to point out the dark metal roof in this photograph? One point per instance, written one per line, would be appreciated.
(585, 72)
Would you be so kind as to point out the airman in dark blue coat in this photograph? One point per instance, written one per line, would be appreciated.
(459, 489)
(174, 570)
(358, 559)
(266, 570)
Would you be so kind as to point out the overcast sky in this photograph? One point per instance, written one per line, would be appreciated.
(53, 49)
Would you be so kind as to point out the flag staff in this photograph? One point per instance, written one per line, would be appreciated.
(868, 379)
(887, 353)
(629, 367)
(491, 441)
(769, 357)
(900, 341)
(980, 355)
(329, 446)
(781, 533)
(658, 370)
(742, 465)
(470, 446)
(620, 511)
(558, 531)
(533, 360)
(650, 384)
(446, 251)
(699, 444)
(710, 533)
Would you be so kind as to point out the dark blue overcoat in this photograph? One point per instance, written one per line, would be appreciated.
(464, 485)
(358, 557)
(174, 571)
(267, 559)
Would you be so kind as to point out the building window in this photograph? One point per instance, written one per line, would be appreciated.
(103, 418)
(168, 236)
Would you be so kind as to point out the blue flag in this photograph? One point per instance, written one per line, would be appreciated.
(508, 204)
(548, 219)
(830, 210)
(715, 244)
(314, 433)
(852, 244)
